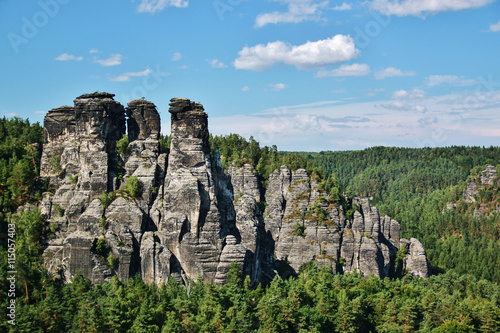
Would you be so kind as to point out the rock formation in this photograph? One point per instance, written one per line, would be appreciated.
(188, 217)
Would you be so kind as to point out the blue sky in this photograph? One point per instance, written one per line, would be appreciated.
(302, 74)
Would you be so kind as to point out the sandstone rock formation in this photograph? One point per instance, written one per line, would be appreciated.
(189, 217)
(487, 177)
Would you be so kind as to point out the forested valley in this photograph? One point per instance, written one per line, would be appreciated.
(421, 188)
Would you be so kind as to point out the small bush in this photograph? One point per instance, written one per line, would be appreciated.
(122, 145)
(58, 209)
(133, 187)
(107, 198)
(103, 223)
(55, 163)
(100, 246)
(73, 179)
(299, 230)
(111, 261)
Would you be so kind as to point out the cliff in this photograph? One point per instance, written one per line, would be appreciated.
(136, 210)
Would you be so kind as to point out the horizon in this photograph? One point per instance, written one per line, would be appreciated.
(304, 75)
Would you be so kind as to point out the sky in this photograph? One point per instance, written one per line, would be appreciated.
(305, 75)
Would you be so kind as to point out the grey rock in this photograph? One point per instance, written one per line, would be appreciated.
(416, 260)
(193, 218)
(143, 120)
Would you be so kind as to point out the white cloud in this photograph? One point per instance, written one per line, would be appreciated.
(217, 64)
(113, 60)
(298, 11)
(68, 57)
(177, 56)
(435, 80)
(278, 86)
(428, 122)
(245, 88)
(346, 70)
(391, 72)
(153, 6)
(306, 56)
(124, 77)
(422, 8)
(94, 51)
(343, 6)
(495, 27)
(411, 94)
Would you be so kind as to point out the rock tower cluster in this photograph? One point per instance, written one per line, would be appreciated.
(191, 216)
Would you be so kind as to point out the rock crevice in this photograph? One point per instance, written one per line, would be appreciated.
(190, 217)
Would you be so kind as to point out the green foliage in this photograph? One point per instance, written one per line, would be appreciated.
(55, 163)
(58, 209)
(122, 145)
(103, 223)
(164, 141)
(73, 179)
(398, 261)
(317, 214)
(100, 246)
(19, 163)
(106, 198)
(111, 261)
(414, 186)
(299, 230)
(133, 187)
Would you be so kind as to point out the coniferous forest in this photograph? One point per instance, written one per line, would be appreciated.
(421, 188)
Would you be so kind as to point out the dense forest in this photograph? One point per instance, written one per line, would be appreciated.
(421, 188)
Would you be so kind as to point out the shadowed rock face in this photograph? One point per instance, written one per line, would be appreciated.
(191, 217)
(143, 120)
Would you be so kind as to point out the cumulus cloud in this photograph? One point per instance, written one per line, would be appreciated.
(343, 6)
(306, 56)
(177, 56)
(495, 27)
(217, 64)
(125, 77)
(153, 6)
(435, 80)
(408, 94)
(68, 57)
(298, 11)
(391, 72)
(346, 70)
(278, 86)
(422, 8)
(403, 106)
(113, 60)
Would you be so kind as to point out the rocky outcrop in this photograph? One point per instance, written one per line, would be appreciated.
(188, 217)
(415, 263)
(306, 226)
(486, 178)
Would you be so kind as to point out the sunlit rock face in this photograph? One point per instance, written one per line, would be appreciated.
(191, 218)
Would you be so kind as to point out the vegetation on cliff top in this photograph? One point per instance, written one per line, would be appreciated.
(421, 188)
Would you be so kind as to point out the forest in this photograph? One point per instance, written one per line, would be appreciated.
(421, 188)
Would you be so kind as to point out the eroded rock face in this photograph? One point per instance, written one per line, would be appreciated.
(365, 244)
(191, 218)
(144, 121)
